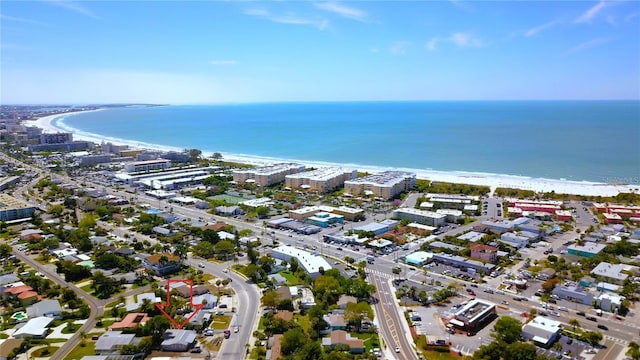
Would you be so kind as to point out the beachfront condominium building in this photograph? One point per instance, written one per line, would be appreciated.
(320, 180)
(420, 216)
(385, 185)
(267, 175)
(13, 209)
(56, 138)
(148, 165)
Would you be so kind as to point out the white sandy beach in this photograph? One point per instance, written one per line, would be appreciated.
(473, 178)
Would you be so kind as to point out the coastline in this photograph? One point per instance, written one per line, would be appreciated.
(48, 124)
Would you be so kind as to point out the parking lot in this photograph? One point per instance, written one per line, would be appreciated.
(571, 349)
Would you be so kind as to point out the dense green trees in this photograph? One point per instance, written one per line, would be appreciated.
(507, 330)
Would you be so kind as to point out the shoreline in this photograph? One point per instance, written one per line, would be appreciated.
(47, 123)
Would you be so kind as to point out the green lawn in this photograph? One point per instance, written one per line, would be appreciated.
(370, 340)
(303, 321)
(71, 329)
(44, 352)
(228, 198)
(292, 280)
(87, 288)
(81, 351)
(220, 322)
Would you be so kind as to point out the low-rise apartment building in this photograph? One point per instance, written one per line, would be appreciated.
(267, 175)
(385, 185)
(320, 180)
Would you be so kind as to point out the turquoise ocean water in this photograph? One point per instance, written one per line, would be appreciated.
(575, 140)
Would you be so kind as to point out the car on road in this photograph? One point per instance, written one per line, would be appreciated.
(592, 318)
(397, 349)
(603, 327)
(236, 329)
(201, 265)
(581, 313)
(225, 270)
(569, 341)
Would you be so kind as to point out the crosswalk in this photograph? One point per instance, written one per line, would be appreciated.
(380, 274)
(616, 340)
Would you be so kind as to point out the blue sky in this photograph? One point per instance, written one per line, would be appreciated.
(235, 51)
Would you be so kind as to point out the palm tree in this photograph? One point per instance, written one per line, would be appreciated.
(634, 351)
(574, 323)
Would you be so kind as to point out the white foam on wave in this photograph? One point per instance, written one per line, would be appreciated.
(55, 123)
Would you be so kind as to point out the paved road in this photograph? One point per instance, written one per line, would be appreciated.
(247, 309)
(391, 321)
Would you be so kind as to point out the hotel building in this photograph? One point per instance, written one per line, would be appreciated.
(13, 209)
(385, 185)
(420, 216)
(267, 175)
(149, 165)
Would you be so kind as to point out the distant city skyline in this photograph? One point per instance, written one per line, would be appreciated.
(223, 52)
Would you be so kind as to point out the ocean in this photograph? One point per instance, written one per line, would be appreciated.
(574, 140)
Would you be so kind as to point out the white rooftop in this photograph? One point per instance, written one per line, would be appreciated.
(613, 271)
(311, 263)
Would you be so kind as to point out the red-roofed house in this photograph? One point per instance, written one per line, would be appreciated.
(484, 252)
(130, 321)
(341, 337)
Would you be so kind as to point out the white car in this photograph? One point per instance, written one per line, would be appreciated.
(225, 270)
(397, 349)
(201, 265)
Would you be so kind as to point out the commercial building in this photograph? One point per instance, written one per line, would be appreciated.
(542, 331)
(377, 228)
(420, 216)
(589, 250)
(146, 166)
(324, 219)
(472, 236)
(474, 315)
(309, 211)
(267, 175)
(610, 272)
(573, 293)
(484, 252)
(320, 180)
(512, 239)
(505, 225)
(311, 263)
(171, 180)
(14, 209)
(418, 258)
(609, 302)
(452, 216)
(385, 185)
(564, 215)
(462, 262)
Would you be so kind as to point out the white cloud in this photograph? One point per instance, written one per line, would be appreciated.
(289, 18)
(587, 44)
(590, 14)
(465, 40)
(223, 62)
(73, 6)
(22, 20)
(533, 31)
(343, 10)
(399, 47)
(432, 44)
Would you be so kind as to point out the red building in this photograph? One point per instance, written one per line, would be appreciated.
(484, 252)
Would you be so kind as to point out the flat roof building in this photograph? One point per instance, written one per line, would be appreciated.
(589, 250)
(418, 258)
(542, 330)
(320, 180)
(420, 216)
(573, 293)
(474, 315)
(148, 165)
(610, 272)
(14, 209)
(267, 175)
(310, 262)
(385, 185)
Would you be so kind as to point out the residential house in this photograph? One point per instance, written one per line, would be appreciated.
(49, 308)
(285, 315)
(208, 301)
(112, 341)
(34, 328)
(130, 321)
(178, 340)
(163, 264)
(274, 349)
(24, 293)
(335, 321)
(200, 318)
(341, 337)
(345, 299)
